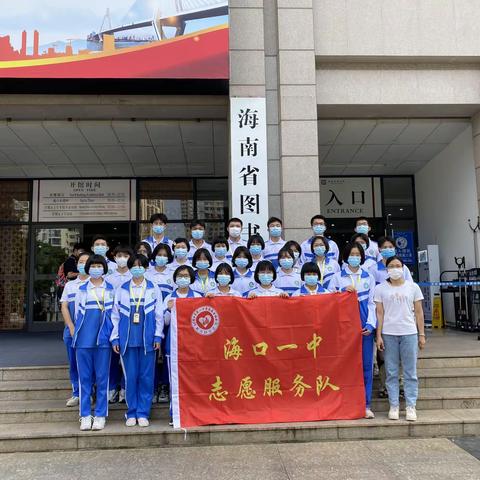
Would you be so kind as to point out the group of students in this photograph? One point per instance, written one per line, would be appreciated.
(117, 312)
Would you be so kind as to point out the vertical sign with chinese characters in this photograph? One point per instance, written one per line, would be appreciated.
(248, 169)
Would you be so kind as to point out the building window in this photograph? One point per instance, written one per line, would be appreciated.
(183, 200)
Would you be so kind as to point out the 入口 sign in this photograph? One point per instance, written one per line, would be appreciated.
(346, 197)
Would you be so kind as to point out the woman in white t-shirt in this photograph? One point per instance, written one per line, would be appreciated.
(400, 332)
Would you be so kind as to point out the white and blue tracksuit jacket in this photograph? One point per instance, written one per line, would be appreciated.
(304, 291)
(152, 304)
(288, 282)
(83, 307)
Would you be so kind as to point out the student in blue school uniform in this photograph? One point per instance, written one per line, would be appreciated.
(353, 278)
(183, 277)
(91, 340)
(386, 246)
(319, 228)
(265, 276)
(364, 241)
(137, 319)
(362, 225)
(256, 245)
(275, 242)
(100, 247)
(220, 252)
(204, 277)
(68, 312)
(297, 253)
(288, 279)
(327, 265)
(181, 247)
(224, 277)
(234, 230)
(122, 274)
(159, 223)
(161, 276)
(244, 277)
(197, 231)
(310, 275)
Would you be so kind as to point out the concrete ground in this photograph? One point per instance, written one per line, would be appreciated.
(429, 459)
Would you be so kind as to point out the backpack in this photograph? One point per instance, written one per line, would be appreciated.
(60, 279)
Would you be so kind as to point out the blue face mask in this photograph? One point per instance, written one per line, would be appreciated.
(265, 278)
(311, 280)
(158, 229)
(387, 252)
(161, 261)
(319, 229)
(182, 282)
(275, 231)
(95, 272)
(220, 252)
(100, 250)
(286, 263)
(181, 252)
(81, 268)
(319, 251)
(255, 249)
(364, 246)
(137, 271)
(203, 264)
(223, 280)
(354, 261)
(362, 229)
(197, 234)
(241, 262)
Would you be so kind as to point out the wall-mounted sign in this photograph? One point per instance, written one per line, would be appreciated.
(249, 167)
(346, 197)
(405, 246)
(114, 39)
(84, 200)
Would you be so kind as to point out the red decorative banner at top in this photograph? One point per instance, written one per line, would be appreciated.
(266, 360)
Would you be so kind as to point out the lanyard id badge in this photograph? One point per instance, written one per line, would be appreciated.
(136, 314)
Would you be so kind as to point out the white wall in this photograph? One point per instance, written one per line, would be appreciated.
(392, 28)
(446, 195)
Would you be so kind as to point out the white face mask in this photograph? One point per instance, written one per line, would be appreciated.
(395, 273)
(235, 231)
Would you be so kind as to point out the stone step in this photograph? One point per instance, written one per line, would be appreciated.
(449, 362)
(35, 437)
(35, 390)
(59, 372)
(43, 411)
(34, 410)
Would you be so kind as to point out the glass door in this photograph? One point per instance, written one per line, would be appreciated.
(52, 245)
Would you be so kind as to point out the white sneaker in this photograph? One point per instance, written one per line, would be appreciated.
(86, 423)
(121, 396)
(98, 423)
(411, 414)
(143, 422)
(73, 402)
(369, 414)
(113, 396)
(131, 422)
(394, 413)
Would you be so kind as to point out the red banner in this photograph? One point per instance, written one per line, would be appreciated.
(266, 360)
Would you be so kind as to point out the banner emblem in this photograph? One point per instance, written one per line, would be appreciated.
(205, 320)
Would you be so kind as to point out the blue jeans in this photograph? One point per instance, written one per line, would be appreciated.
(404, 349)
